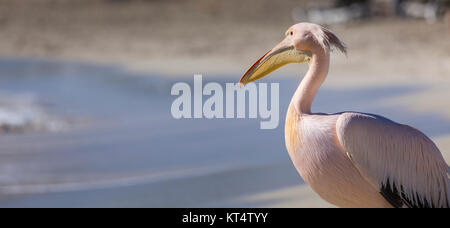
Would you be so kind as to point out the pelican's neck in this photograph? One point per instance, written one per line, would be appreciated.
(318, 70)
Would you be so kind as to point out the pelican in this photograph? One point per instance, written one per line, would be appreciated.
(351, 159)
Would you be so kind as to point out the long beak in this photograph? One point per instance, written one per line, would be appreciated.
(279, 56)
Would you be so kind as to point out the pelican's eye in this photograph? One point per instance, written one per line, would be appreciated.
(291, 33)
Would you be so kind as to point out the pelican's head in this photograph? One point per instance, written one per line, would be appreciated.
(301, 41)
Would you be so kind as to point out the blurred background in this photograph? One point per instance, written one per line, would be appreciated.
(85, 95)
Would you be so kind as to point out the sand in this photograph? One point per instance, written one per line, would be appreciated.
(183, 37)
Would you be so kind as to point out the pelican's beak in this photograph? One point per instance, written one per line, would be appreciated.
(279, 56)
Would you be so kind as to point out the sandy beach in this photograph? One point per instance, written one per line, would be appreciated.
(179, 38)
(395, 67)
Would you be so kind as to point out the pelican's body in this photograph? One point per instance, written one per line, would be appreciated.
(352, 159)
(314, 148)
